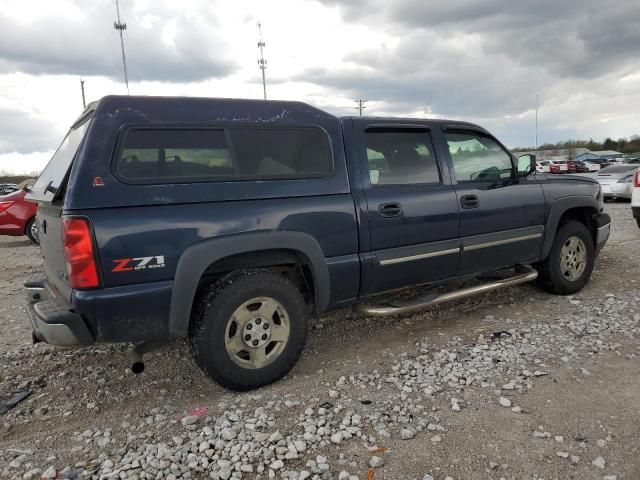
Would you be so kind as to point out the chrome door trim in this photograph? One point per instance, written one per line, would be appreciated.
(411, 258)
(506, 241)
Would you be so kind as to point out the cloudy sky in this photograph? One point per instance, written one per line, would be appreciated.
(479, 60)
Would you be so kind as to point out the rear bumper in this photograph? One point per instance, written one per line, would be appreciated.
(52, 318)
(617, 190)
(131, 313)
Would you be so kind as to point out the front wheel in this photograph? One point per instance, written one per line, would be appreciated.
(249, 329)
(568, 267)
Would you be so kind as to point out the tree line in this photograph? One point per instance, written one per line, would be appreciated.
(623, 145)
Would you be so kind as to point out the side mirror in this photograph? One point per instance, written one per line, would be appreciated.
(526, 165)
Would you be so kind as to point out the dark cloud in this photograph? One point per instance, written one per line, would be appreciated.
(570, 38)
(486, 59)
(89, 45)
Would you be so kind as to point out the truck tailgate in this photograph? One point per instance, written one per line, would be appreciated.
(50, 224)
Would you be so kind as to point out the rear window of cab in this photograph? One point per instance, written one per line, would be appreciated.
(167, 155)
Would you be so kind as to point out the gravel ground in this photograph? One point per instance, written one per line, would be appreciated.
(516, 384)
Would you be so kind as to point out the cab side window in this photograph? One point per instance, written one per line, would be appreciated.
(477, 157)
(400, 157)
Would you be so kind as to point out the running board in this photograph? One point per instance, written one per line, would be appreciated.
(525, 273)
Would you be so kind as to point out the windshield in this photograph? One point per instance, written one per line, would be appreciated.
(54, 173)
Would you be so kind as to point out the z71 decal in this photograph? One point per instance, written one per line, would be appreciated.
(139, 263)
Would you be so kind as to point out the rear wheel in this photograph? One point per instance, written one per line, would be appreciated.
(569, 265)
(638, 222)
(249, 329)
(31, 231)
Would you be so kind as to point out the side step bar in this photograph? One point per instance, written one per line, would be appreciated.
(524, 274)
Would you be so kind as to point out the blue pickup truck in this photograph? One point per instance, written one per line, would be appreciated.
(231, 222)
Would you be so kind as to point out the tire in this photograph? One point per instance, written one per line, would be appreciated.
(638, 222)
(219, 327)
(555, 275)
(31, 231)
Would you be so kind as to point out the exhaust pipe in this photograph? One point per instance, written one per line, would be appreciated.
(137, 362)
(524, 273)
(136, 354)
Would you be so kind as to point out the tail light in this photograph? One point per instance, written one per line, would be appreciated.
(5, 205)
(636, 179)
(79, 253)
(627, 179)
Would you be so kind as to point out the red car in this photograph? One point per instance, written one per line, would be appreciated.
(18, 216)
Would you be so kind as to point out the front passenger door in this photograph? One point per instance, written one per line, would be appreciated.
(502, 214)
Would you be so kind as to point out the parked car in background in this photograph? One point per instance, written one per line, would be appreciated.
(543, 166)
(635, 198)
(569, 165)
(17, 216)
(611, 162)
(6, 188)
(617, 181)
(556, 166)
(583, 166)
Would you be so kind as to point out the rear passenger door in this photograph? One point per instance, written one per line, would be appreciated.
(502, 215)
(411, 208)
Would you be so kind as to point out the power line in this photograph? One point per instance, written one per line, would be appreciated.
(361, 105)
(120, 27)
(262, 63)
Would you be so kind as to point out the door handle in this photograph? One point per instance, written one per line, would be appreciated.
(387, 210)
(470, 201)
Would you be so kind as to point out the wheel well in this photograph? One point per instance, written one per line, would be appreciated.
(289, 263)
(583, 215)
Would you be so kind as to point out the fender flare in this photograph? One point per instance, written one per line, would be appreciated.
(195, 260)
(557, 210)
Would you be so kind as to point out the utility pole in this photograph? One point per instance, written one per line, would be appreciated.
(361, 105)
(120, 27)
(262, 63)
(84, 102)
(537, 106)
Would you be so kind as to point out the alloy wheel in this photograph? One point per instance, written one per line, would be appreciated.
(573, 258)
(257, 332)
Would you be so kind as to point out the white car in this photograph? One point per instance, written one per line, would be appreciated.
(635, 197)
(617, 181)
(542, 167)
(591, 166)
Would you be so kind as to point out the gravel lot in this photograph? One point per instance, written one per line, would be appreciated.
(514, 385)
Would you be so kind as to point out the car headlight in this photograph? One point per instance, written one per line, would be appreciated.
(599, 197)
